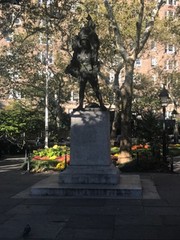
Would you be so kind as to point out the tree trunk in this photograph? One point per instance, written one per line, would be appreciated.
(126, 106)
(115, 124)
(117, 102)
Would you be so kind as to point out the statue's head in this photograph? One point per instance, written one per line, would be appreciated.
(84, 33)
(87, 31)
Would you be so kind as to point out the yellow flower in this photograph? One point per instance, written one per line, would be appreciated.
(55, 146)
(60, 166)
(116, 155)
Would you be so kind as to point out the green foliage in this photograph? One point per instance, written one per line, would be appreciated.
(23, 70)
(42, 166)
(149, 128)
(17, 119)
(58, 18)
(52, 153)
(145, 94)
(115, 150)
(173, 79)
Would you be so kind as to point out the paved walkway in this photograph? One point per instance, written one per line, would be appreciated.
(87, 219)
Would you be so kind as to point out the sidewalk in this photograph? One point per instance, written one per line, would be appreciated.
(87, 219)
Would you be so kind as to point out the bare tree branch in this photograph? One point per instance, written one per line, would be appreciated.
(139, 26)
(149, 25)
(117, 31)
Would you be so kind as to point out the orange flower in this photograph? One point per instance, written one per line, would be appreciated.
(134, 147)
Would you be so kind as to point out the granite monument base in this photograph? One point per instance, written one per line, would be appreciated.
(91, 172)
(129, 187)
(90, 150)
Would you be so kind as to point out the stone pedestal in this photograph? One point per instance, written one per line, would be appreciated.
(90, 150)
(91, 172)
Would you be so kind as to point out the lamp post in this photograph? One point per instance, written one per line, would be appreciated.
(164, 97)
(174, 113)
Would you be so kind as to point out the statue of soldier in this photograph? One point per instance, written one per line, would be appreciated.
(84, 64)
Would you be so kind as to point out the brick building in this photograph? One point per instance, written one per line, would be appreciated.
(157, 58)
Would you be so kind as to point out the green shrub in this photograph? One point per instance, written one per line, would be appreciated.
(114, 150)
(51, 153)
(42, 166)
(144, 164)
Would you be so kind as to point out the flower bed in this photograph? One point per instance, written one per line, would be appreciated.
(135, 149)
(58, 157)
(55, 158)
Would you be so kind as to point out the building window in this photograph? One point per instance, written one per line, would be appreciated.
(171, 65)
(171, 2)
(14, 75)
(9, 37)
(170, 48)
(73, 8)
(51, 58)
(111, 76)
(169, 14)
(153, 62)
(14, 94)
(9, 53)
(43, 39)
(153, 45)
(154, 78)
(43, 57)
(74, 96)
(43, 23)
(138, 63)
(48, 2)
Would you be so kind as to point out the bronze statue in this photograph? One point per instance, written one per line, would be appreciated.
(84, 64)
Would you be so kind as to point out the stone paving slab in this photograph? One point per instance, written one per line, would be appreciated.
(133, 232)
(100, 234)
(106, 210)
(162, 211)
(171, 220)
(54, 218)
(91, 222)
(28, 209)
(138, 220)
(154, 202)
(13, 229)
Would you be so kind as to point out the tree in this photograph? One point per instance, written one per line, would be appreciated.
(141, 15)
(172, 26)
(149, 129)
(124, 28)
(24, 67)
(145, 94)
(16, 120)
